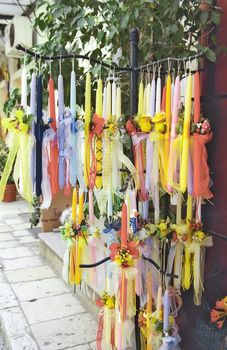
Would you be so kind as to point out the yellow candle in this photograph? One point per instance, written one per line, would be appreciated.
(145, 100)
(99, 98)
(141, 98)
(98, 142)
(159, 303)
(186, 136)
(118, 115)
(86, 128)
(81, 207)
(74, 205)
(149, 309)
(108, 101)
(168, 115)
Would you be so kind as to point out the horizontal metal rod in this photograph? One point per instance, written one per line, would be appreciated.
(170, 59)
(59, 57)
(110, 66)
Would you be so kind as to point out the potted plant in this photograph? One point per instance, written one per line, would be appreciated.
(10, 190)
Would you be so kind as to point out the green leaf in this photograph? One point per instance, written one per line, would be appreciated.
(216, 17)
(204, 16)
(211, 55)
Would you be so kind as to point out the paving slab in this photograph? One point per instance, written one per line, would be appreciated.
(19, 233)
(13, 253)
(80, 347)
(14, 221)
(22, 226)
(28, 239)
(13, 322)
(65, 332)
(6, 237)
(22, 263)
(8, 244)
(29, 274)
(5, 228)
(24, 342)
(2, 277)
(39, 289)
(51, 308)
(7, 298)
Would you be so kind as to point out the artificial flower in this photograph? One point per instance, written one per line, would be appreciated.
(145, 123)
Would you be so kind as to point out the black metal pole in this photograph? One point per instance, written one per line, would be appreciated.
(134, 51)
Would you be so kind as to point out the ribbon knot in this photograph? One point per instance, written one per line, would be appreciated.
(98, 125)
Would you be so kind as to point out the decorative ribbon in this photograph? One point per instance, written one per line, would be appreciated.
(48, 137)
(198, 251)
(76, 144)
(137, 140)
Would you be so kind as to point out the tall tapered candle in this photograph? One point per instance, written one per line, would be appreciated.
(149, 308)
(54, 154)
(73, 94)
(152, 98)
(159, 303)
(61, 136)
(74, 205)
(114, 99)
(118, 115)
(33, 112)
(81, 207)
(38, 132)
(124, 225)
(141, 99)
(24, 91)
(86, 128)
(99, 106)
(173, 127)
(98, 142)
(148, 112)
(186, 136)
(52, 103)
(168, 115)
(108, 101)
(196, 97)
(166, 312)
(104, 103)
(158, 96)
(149, 293)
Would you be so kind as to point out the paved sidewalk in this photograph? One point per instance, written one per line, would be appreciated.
(37, 309)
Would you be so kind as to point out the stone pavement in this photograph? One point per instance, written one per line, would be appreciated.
(37, 309)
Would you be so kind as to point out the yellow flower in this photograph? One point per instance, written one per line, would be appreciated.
(159, 117)
(96, 233)
(110, 302)
(19, 115)
(200, 235)
(145, 124)
(160, 127)
(163, 226)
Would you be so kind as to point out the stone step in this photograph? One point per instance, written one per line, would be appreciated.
(52, 248)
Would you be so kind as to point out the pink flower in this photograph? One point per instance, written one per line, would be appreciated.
(219, 304)
(220, 324)
(131, 247)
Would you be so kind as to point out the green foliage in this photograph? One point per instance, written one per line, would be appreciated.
(12, 101)
(35, 215)
(167, 28)
(4, 151)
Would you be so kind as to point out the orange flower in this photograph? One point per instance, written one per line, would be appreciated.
(214, 315)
